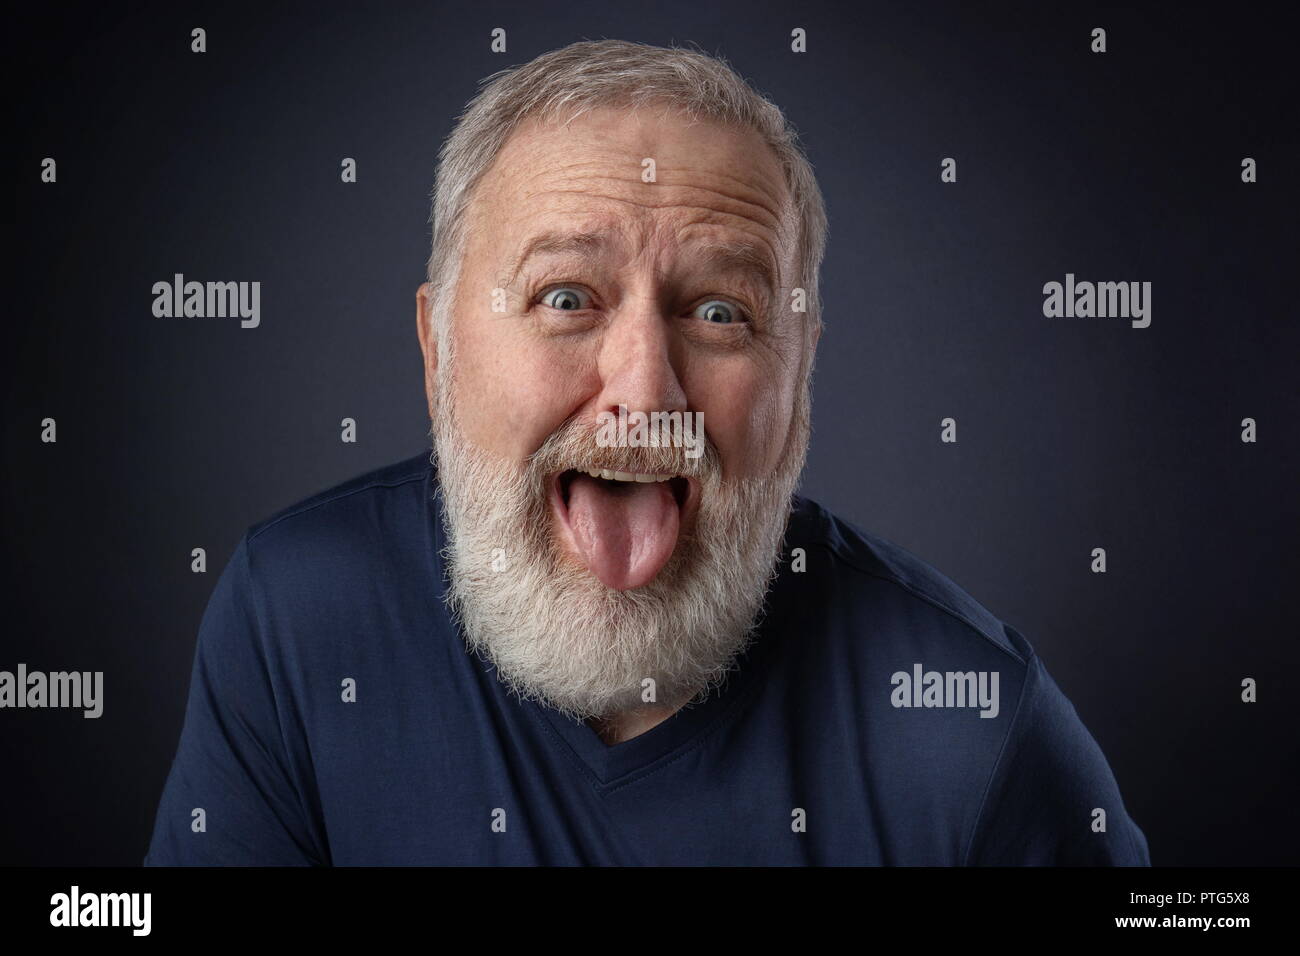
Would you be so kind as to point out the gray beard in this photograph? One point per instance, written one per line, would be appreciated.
(553, 631)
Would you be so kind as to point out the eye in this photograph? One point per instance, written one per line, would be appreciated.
(566, 298)
(719, 312)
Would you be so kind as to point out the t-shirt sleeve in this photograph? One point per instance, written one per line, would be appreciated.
(1050, 781)
(230, 797)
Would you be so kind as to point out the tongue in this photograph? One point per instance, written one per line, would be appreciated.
(625, 531)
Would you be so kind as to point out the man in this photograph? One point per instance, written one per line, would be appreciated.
(675, 660)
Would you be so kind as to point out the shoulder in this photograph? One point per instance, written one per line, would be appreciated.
(342, 501)
(371, 528)
(875, 576)
(1040, 775)
(361, 506)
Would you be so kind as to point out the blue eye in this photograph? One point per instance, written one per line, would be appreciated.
(565, 298)
(719, 312)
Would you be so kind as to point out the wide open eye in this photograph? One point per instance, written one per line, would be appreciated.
(719, 312)
(567, 298)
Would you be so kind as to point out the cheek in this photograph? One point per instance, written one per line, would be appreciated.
(747, 415)
(511, 394)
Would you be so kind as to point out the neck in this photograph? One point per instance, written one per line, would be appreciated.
(632, 723)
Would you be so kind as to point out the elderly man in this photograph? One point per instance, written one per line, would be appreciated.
(672, 658)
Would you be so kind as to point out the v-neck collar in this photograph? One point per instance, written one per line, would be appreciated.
(617, 764)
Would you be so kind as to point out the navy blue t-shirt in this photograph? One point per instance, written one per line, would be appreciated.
(840, 738)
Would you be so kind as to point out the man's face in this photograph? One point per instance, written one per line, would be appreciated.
(663, 296)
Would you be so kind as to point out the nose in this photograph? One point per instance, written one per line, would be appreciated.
(637, 364)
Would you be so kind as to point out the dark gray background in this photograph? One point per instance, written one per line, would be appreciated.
(1074, 433)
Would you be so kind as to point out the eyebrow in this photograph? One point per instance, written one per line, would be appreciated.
(739, 256)
(725, 254)
(554, 243)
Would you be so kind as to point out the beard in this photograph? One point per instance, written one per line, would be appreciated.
(552, 630)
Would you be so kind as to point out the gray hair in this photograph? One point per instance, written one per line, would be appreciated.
(597, 73)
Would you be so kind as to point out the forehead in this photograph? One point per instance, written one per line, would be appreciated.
(589, 174)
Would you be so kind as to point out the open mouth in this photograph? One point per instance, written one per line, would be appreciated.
(623, 526)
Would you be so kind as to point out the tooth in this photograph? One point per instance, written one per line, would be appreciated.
(593, 472)
(647, 479)
(606, 474)
(623, 476)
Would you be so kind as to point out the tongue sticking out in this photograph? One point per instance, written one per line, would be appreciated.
(625, 531)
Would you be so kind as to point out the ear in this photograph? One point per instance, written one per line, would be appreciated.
(428, 341)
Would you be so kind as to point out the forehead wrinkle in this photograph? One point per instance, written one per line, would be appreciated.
(752, 253)
(730, 203)
(535, 152)
(760, 190)
(760, 198)
(711, 214)
(763, 165)
(749, 191)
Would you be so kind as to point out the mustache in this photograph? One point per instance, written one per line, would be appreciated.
(573, 446)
